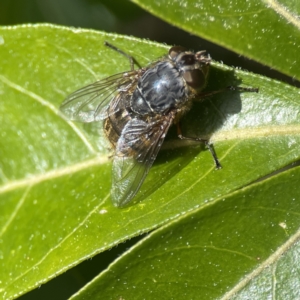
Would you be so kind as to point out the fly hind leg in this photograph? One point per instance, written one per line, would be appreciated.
(204, 141)
(131, 59)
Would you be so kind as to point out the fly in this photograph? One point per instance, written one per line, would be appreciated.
(138, 107)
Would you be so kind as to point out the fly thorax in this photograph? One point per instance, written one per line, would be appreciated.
(159, 90)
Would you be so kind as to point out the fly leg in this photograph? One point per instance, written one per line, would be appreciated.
(204, 141)
(131, 59)
(228, 88)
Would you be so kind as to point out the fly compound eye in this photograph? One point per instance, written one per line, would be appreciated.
(195, 78)
(187, 60)
(175, 51)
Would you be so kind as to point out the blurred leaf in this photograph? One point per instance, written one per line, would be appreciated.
(82, 13)
(243, 246)
(266, 31)
(54, 193)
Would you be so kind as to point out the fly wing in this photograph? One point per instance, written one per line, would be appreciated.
(136, 151)
(90, 103)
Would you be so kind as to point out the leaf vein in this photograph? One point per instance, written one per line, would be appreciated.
(61, 242)
(284, 12)
(46, 103)
(208, 171)
(272, 259)
(33, 180)
(14, 213)
(83, 64)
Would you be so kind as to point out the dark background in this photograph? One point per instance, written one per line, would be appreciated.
(122, 17)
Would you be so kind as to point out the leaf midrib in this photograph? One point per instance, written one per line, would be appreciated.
(70, 169)
(257, 132)
(283, 12)
(236, 134)
(272, 259)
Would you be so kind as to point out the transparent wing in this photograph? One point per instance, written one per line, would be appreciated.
(90, 103)
(136, 151)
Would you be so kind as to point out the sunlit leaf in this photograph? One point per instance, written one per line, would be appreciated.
(55, 175)
(244, 246)
(266, 31)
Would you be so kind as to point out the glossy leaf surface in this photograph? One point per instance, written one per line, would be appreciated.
(244, 246)
(55, 175)
(266, 31)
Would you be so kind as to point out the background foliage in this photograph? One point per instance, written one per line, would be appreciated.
(220, 233)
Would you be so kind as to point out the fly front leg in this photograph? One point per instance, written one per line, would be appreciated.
(204, 141)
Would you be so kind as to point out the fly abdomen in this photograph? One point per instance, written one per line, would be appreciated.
(114, 124)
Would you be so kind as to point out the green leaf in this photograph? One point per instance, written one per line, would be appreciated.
(55, 175)
(243, 246)
(266, 31)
